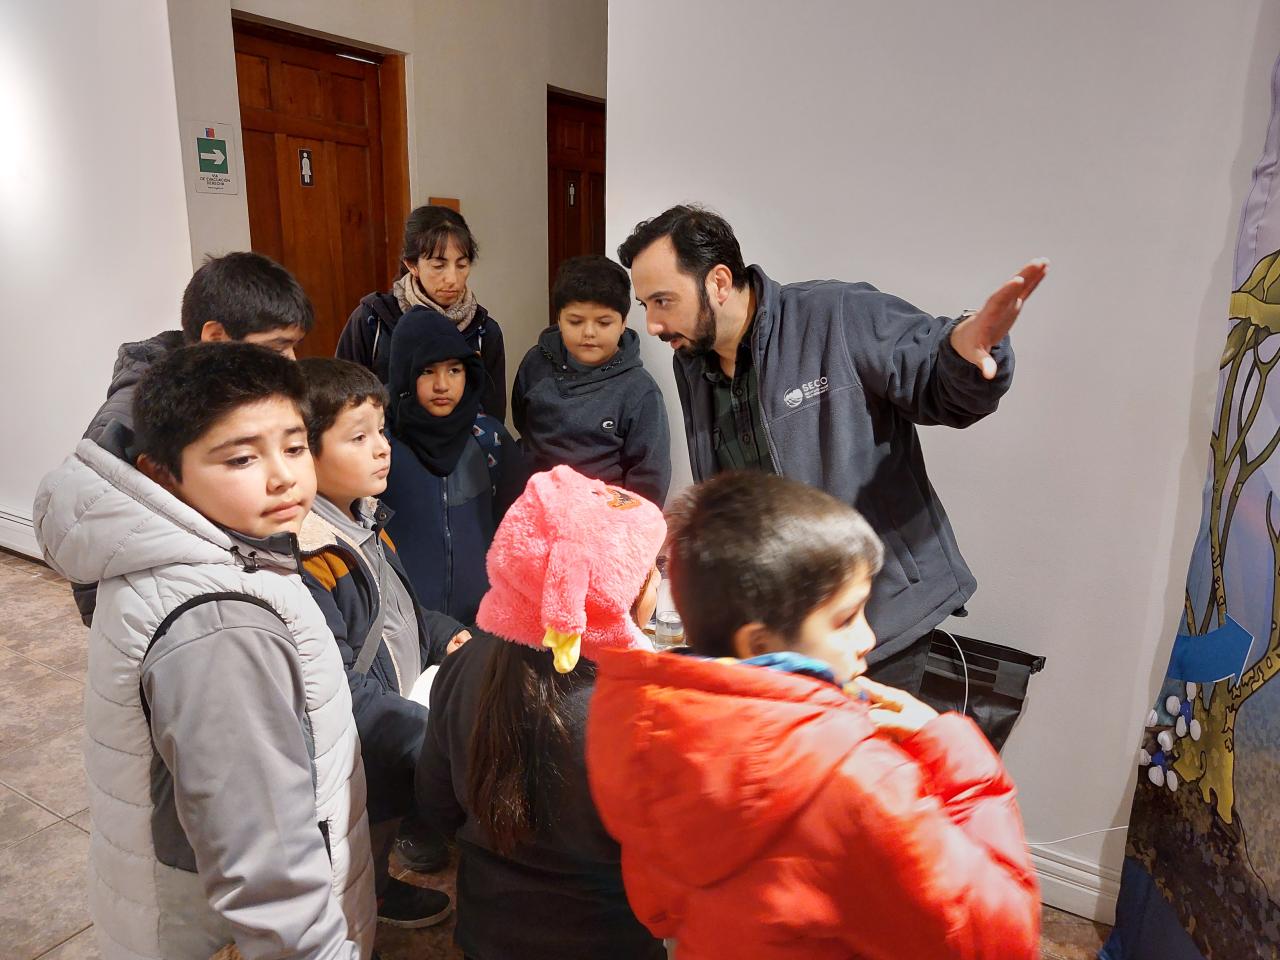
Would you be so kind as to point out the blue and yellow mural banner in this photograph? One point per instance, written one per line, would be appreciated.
(1202, 870)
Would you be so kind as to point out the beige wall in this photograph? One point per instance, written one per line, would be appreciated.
(477, 75)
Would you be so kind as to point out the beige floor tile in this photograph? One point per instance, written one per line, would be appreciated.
(61, 642)
(45, 705)
(50, 773)
(20, 818)
(433, 943)
(1064, 936)
(17, 673)
(83, 946)
(44, 902)
(11, 565)
(81, 820)
(37, 601)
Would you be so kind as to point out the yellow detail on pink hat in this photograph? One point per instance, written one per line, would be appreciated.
(565, 647)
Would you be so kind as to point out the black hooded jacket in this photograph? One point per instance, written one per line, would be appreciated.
(608, 422)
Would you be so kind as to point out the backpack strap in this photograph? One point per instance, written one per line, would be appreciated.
(178, 611)
(373, 639)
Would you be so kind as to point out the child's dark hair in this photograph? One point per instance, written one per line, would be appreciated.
(334, 386)
(428, 231)
(247, 293)
(702, 240)
(749, 547)
(523, 712)
(591, 279)
(188, 391)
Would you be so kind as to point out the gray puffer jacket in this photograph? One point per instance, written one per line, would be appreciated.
(132, 361)
(226, 792)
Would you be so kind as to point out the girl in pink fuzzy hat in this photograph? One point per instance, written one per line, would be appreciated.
(572, 573)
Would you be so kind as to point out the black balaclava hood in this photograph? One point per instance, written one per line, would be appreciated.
(421, 338)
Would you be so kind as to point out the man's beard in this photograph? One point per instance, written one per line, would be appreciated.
(703, 341)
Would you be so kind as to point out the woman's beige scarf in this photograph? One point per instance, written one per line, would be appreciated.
(409, 293)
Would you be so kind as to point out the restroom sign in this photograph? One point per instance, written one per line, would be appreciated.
(212, 150)
(306, 174)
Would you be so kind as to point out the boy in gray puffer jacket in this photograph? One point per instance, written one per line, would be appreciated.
(226, 791)
(239, 296)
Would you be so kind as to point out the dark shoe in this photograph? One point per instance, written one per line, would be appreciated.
(421, 851)
(405, 905)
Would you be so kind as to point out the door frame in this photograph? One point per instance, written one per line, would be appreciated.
(569, 98)
(394, 120)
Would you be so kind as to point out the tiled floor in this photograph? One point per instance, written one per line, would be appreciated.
(44, 838)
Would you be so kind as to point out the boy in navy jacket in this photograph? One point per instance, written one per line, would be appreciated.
(388, 641)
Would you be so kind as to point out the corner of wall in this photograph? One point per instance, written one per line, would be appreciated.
(204, 73)
(1077, 886)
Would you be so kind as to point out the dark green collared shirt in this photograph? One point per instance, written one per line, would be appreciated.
(738, 435)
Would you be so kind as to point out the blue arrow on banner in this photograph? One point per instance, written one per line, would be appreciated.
(1212, 656)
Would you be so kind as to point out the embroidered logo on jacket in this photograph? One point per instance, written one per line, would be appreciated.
(607, 425)
(806, 391)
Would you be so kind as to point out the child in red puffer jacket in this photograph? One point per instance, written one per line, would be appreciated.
(768, 800)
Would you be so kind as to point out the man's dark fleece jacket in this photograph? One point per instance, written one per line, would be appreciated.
(607, 422)
(846, 373)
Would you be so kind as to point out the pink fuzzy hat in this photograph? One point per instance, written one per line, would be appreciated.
(567, 564)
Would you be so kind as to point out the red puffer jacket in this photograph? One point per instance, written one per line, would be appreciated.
(762, 816)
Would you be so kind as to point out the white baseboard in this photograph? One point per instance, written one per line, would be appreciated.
(16, 533)
(1077, 886)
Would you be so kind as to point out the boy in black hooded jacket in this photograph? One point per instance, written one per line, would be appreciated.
(582, 396)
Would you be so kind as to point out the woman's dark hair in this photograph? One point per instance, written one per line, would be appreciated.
(591, 279)
(247, 293)
(428, 231)
(334, 386)
(521, 718)
(190, 389)
(749, 547)
(702, 240)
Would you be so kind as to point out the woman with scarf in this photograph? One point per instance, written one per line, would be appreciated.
(437, 256)
(454, 469)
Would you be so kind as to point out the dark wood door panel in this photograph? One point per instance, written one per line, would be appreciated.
(329, 227)
(575, 179)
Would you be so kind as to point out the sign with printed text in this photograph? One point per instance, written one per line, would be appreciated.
(212, 147)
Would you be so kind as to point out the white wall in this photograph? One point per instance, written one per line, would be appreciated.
(932, 149)
(477, 73)
(93, 227)
(204, 73)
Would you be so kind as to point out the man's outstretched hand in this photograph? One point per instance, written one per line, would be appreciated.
(975, 336)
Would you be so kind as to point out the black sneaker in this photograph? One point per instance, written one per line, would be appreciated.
(422, 851)
(405, 905)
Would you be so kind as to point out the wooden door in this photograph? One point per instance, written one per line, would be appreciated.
(315, 169)
(575, 178)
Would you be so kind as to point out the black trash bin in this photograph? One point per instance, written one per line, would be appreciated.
(997, 681)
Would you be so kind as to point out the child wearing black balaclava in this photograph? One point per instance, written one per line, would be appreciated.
(454, 470)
